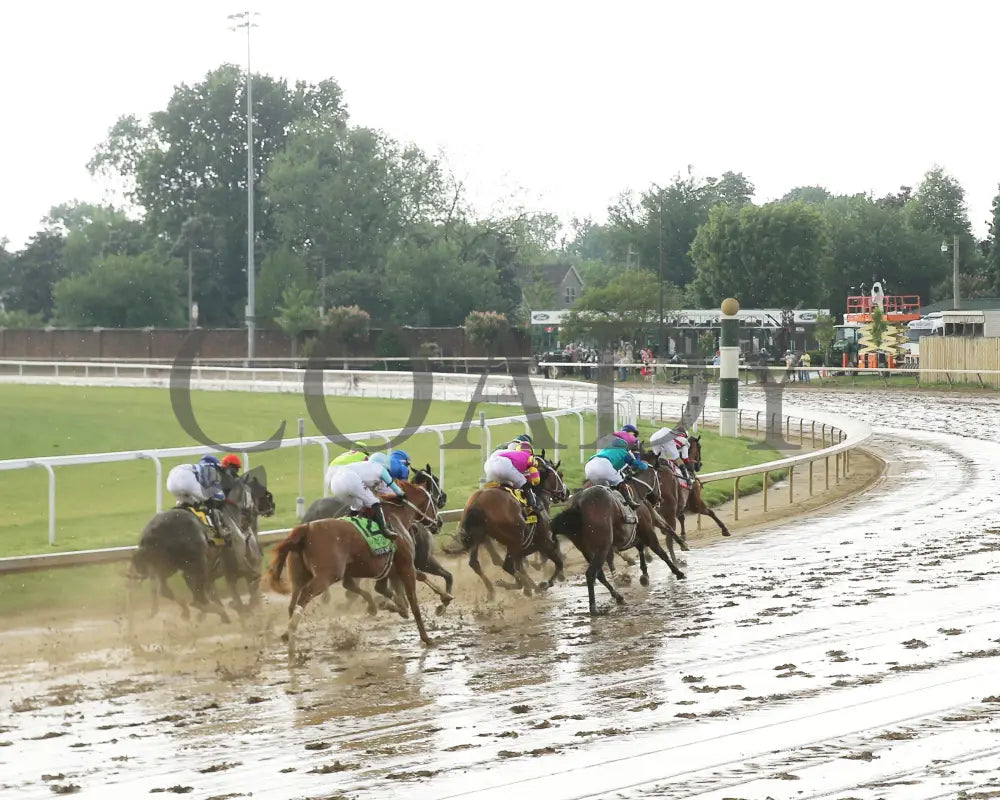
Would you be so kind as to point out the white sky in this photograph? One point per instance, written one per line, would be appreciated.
(563, 104)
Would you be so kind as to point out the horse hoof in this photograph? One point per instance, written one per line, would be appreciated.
(726, 533)
(428, 642)
(226, 619)
(284, 637)
(441, 609)
(644, 580)
(681, 576)
(543, 585)
(684, 547)
(372, 611)
(620, 600)
(527, 591)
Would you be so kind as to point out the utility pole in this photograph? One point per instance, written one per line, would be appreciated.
(190, 298)
(659, 346)
(957, 295)
(246, 21)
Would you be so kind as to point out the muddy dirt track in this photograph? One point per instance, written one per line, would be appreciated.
(853, 653)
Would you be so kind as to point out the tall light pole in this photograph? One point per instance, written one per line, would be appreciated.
(245, 20)
(659, 346)
(956, 294)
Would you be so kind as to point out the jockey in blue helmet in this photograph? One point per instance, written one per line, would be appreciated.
(209, 473)
(397, 463)
(399, 466)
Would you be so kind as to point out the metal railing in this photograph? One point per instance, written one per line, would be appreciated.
(842, 439)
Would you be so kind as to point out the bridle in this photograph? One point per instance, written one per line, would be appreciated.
(558, 494)
(424, 516)
(442, 496)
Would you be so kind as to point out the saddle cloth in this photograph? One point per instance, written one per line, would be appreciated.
(213, 535)
(371, 532)
(518, 495)
(680, 478)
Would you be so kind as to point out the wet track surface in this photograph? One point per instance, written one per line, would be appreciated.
(853, 653)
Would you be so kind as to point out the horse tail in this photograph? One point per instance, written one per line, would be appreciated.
(139, 565)
(472, 528)
(293, 543)
(567, 522)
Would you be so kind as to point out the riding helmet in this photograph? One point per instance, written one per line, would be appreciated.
(210, 459)
(232, 460)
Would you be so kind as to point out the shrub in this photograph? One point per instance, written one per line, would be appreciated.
(485, 328)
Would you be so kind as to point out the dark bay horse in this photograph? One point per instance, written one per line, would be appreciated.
(424, 557)
(325, 551)
(493, 513)
(595, 522)
(176, 540)
(690, 498)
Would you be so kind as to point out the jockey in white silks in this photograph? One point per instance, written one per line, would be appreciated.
(674, 446)
(353, 483)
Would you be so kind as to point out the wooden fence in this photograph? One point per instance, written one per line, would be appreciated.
(943, 354)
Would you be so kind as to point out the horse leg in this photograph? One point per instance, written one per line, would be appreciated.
(619, 599)
(550, 549)
(655, 546)
(520, 572)
(432, 566)
(204, 599)
(508, 567)
(494, 556)
(474, 563)
(316, 585)
(445, 596)
(709, 513)
(644, 578)
(351, 585)
(404, 574)
(168, 593)
(299, 575)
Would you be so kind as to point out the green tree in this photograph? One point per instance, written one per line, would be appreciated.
(878, 328)
(811, 195)
(768, 256)
(671, 215)
(27, 278)
(824, 331)
(189, 159)
(122, 292)
(281, 270)
(625, 308)
(346, 196)
(485, 328)
(297, 314)
(20, 319)
(348, 326)
(93, 232)
(872, 241)
(429, 282)
(993, 245)
(939, 205)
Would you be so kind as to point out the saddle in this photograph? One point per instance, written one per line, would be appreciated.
(371, 532)
(526, 511)
(212, 534)
(683, 481)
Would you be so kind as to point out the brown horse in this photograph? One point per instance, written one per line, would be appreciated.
(329, 550)
(493, 513)
(595, 522)
(690, 498)
(666, 499)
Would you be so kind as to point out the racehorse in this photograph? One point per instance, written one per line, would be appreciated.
(325, 551)
(551, 491)
(595, 522)
(666, 495)
(690, 498)
(178, 541)
(493, 512)
(423, 535)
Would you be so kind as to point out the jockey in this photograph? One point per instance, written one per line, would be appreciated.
(522, 442)
(516, 468)
(353, 483)
(630, 435)
(397, 462)
(605, 467)
(199, 486)
(345, 458)
(672, 444)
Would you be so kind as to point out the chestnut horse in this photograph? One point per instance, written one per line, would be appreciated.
(595, 523)
(493, 513)
(329, 550)
(690, 498)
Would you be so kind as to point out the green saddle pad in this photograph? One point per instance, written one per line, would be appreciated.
(378, 543)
